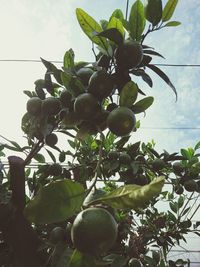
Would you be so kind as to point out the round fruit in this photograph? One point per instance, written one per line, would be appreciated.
(113, 155)
(65, 98)
(100, 119)
(178, 189)
(141, 180)
(33, 106)
(129, 55)
(121, 121)
(124, 158)
(94, 230)
(178, 167)
(84, 74)
(57, 235)
(190, 186)
(86, 106)
(133, 262)
(51, 139)
(51, 106)
(55, 169)
(158, 164)
(101, 84)
(111, 106)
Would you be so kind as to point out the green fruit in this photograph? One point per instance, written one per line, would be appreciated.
(55, 169)
(33, 106)
(101, 84)
(94, 231)
(133, 262)
(65, 98)
(141, 180)
(124, 158)
(51, 139)
(121, 121)
(51, 106)
(178, 167)
(57, 235)
(156, 256)
(113, 155)
(190, 186)
(86, 106)
(129, 55)
(158, 164)
(84, 75)
(111, 106)
(179, 190)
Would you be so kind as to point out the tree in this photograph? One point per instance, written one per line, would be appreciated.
(96, 203)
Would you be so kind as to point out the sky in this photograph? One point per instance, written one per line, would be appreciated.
(40, 28)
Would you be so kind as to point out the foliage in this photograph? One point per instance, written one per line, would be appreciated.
(100, 169)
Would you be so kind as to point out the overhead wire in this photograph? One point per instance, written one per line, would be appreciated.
(59, 62)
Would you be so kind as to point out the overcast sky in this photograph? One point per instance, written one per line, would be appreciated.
(47, 28)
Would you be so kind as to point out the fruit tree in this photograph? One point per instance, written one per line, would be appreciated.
(97, 203)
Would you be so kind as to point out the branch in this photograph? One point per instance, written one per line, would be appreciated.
(35, 149)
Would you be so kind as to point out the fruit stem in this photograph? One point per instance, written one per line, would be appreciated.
(35, 149)
(97, 169)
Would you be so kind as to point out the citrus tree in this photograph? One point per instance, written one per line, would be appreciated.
(97, 202)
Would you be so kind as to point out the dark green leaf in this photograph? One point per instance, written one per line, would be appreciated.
(173, 207)
(146, 78)
(197, 146)
(113, 35)
(90, 27)
(68, 61)
(137, 20)
(163, 76)
(51, 155)
(169, 10)
(62, 156)
(153, 11)
(120, 143)
(151, 52)
(142, 104)
(53, 69)
(172, 24)
(61, 255)
(185, 211)
(128, 94)
(180, 201)
(80, 64)
(40, 158)
(132, 196)
(55, 202)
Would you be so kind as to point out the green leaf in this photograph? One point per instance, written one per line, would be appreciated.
(90, 27)
(40, 158)
(163, 76)
(117, 24)
(137, 20)
(61, 255)
(68, 61)
(132, 196)
(172, 24)
(79, 259)
(197, 146)
(142, 104)
(128, 94)
(117, 13)
(55, 202)
(51, 155)
(145, 77)
(173, 207)
(72, 84)
(169, 10)
(151, 52)
(153, 11)
(188, 154)
(113, 35)
(51, 68)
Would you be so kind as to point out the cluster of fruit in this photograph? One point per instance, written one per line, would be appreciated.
(88, 108)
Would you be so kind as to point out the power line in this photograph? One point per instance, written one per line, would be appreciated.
(60, 62)
(170, 128)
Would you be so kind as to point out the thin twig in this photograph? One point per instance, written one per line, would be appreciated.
(33, 152)
(195, 212)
